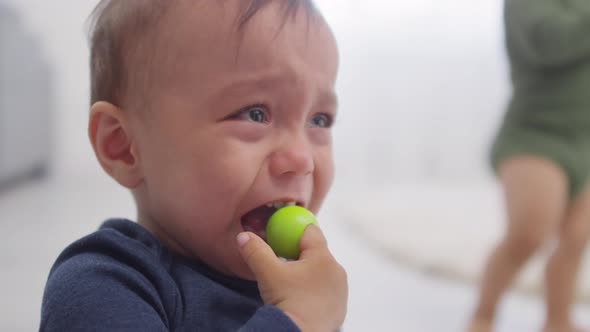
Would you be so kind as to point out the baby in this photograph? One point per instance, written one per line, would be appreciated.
(213, 114)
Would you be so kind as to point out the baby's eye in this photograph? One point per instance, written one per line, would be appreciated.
(322, 120)
(254, 113)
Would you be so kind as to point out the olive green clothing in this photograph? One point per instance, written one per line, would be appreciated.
(569, 152)
(548, 45)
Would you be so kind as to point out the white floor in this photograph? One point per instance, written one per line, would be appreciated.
(429, 224)
(39, 218)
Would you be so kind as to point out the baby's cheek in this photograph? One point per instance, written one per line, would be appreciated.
(323, 178)
(325, 166)
(321, 137)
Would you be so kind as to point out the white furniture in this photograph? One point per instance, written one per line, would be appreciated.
(25, 101)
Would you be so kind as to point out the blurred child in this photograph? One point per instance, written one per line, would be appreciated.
(542, 155)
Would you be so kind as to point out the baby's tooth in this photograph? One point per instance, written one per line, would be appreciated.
(279, 205)
(269, 205)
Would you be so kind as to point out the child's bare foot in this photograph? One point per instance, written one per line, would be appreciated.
(479, 326)
(564, 329)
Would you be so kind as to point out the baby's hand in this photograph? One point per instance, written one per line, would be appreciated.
(312, 291)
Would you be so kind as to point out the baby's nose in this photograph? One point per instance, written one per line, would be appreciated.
(293, 157)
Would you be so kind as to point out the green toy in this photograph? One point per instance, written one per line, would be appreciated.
(285, 228)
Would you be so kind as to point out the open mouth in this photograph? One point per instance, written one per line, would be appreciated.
(256, 219)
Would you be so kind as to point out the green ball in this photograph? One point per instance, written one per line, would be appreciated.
(285, 228)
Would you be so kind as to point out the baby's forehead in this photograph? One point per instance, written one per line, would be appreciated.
(230, 20)
(132, 38)
(194, 39)
(231, 16)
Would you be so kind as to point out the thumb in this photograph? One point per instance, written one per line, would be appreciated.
(257, 254)
(312, 240)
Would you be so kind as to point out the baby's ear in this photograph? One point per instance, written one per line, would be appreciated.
(113, 143)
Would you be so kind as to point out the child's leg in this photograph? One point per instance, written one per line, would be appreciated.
(562, 268)
(536, 195)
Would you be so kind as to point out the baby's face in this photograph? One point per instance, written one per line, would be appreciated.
(237, 122)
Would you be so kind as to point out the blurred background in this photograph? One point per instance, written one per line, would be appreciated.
(422, 87)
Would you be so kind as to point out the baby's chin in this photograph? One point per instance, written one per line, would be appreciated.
(242, 271)
(248, 275)
(234, 267)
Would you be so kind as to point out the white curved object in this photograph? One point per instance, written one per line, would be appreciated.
(446, 230)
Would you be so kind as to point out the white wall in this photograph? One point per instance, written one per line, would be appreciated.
(422, 85)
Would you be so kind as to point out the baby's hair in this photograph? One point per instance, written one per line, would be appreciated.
(121, 32)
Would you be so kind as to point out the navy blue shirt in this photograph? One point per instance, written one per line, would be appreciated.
(121, 278)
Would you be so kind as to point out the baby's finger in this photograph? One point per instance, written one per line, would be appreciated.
(257, 255)
(312, 240)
